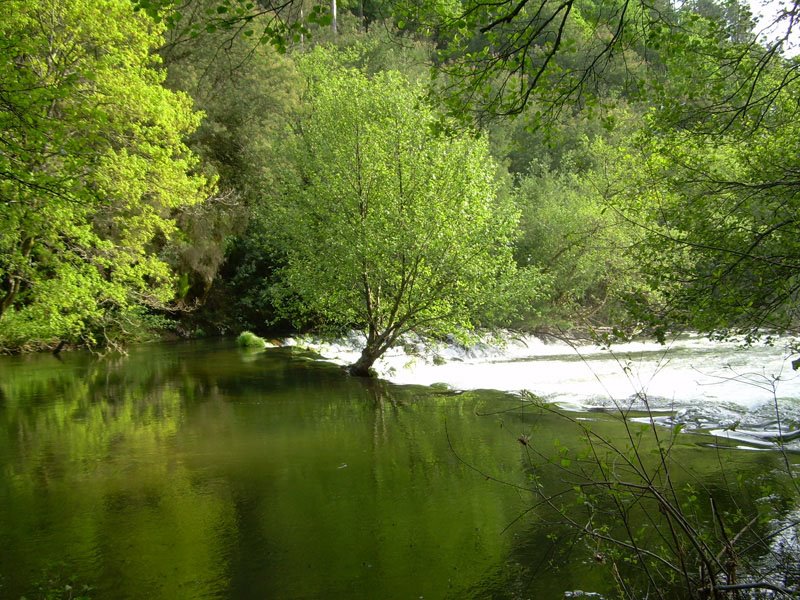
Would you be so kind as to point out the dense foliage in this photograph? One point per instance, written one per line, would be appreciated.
(388, 225)
(92, 168)
(648, 181)
(720, 194)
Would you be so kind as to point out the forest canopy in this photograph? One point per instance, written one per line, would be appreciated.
(612, 166)
(92, 170)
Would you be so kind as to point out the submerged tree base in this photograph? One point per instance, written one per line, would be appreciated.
(357, 371)
(363, 366)
(360, 369)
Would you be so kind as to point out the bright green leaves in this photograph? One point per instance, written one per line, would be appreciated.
(571, 236)
(388, 225)
(93, 167)
(722, 211)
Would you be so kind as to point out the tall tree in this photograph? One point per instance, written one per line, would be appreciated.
(722, 214)
(391, 226)
(712, 182)
(91, 169)
(246, 94)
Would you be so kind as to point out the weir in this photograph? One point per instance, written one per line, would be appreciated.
(742, 394)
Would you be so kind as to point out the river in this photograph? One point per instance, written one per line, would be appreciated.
(198, 470)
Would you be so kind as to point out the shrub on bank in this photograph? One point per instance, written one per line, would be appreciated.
(248, 339)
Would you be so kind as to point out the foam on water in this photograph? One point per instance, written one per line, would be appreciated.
(718, 387)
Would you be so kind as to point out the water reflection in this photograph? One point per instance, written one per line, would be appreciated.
(196, 470)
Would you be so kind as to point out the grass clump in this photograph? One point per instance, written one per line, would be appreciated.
(248, 339)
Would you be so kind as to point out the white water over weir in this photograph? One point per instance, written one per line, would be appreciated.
(749, 395)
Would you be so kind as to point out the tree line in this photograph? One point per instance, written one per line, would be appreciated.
(220, 165)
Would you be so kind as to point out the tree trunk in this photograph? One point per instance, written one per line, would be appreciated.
(14, 282)
(11, 292)
(363, 366)
(302, 35)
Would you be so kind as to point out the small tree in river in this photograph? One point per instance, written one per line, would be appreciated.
(390, 225)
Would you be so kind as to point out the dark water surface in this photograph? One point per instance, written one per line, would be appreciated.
(195, 470)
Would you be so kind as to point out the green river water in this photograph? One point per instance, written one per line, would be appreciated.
(196, 470)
